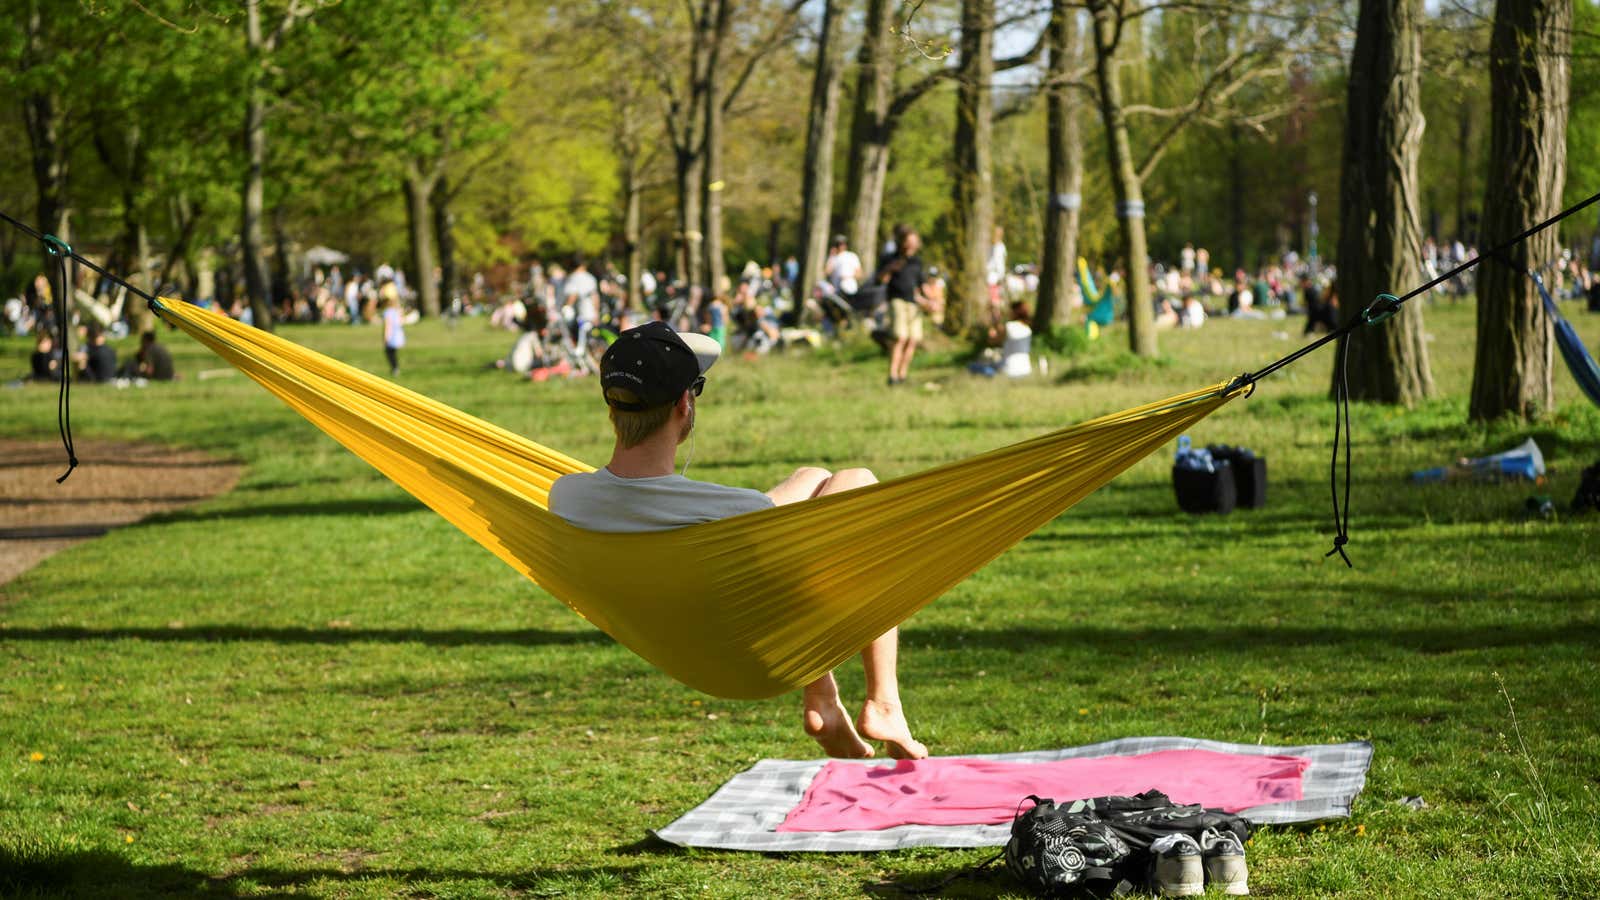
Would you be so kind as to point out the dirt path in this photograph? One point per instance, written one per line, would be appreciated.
(114, 484)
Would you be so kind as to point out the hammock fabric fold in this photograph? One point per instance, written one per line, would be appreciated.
(746, 607)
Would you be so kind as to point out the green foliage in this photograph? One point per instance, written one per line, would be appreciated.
(1583, 114)
(1065, 340)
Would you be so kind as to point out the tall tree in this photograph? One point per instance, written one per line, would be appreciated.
(1380, 230)
(261, 46)
(973, 211)
(1056, 284)
(816, 195)
(1126, 181)
(868, 165)
(880, 110)
(1271, 37)
(712, 183)
(1529, 78)
(40, 57)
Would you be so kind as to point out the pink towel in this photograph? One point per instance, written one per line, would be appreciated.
(956, 791)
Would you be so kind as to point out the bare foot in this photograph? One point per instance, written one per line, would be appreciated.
(830, 726)
(880, 721)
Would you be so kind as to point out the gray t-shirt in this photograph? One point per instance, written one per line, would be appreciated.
(601, 501)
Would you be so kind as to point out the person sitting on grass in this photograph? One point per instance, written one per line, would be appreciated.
(154, 360)
(46, 359)
(650, 378)
(98, 361)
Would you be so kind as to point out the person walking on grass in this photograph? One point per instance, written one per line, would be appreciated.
(651, 377)
(904, 283)
(394, 325)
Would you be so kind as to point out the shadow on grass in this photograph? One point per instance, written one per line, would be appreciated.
(378, 506)
(221, 634)
(33, 872)
(958, 881)
(1184, 639)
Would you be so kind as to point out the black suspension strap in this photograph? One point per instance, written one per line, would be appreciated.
(1380, 309)
(67, 282)
(62, 252)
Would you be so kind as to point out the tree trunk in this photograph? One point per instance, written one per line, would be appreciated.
(252, 204)
(420, 180)
(1380, 241)
(973, 194)
(1057, 293)
(184, 221)
(1125, 183)
(1529, 79)
(686, 129)
(816, 197)
(444, 237)
(1236, 189)
(632, 190)
(689, 177)
(48, 154)
(869, 135)
(711, 187)
(282, 282)
(1464, 166)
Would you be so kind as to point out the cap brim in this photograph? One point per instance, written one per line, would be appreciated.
(706, 349)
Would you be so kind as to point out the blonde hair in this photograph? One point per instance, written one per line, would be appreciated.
(634, 428)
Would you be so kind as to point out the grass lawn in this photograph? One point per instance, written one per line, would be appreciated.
(313, 686)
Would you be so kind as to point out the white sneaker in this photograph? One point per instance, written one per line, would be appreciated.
(1176, 868)
(1224, 862)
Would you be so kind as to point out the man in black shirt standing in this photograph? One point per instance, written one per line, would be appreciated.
(903, 279)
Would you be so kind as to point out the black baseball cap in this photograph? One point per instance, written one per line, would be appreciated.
(654, 364)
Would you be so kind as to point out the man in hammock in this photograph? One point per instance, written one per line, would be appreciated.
(650, 377)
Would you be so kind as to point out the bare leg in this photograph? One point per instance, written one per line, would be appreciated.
(805, 483)
(828, 723)
(881, 717)
(895, 350)
(906, 357)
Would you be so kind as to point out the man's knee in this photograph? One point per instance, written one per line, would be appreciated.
(848, 479)
(813, 475)
(804, 484)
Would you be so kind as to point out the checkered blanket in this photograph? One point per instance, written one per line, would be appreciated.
(745, 813)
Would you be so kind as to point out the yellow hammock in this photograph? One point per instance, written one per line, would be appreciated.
(746, 607)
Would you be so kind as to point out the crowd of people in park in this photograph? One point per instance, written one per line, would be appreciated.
(560, 316)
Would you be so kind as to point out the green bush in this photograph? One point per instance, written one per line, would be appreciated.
(1065, 340)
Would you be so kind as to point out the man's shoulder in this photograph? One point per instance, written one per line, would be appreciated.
(601, 501)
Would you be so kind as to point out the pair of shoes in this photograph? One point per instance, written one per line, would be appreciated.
(894, 381)
(1182, 866)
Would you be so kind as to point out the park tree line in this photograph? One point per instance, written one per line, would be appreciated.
(691, 135)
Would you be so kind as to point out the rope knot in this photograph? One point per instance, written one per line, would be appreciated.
(1339, 541)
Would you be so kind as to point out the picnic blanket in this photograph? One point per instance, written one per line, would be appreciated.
(777, 805)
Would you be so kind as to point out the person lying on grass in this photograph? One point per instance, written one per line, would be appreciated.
(650, 378)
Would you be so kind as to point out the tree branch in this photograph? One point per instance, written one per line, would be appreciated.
(779, 31)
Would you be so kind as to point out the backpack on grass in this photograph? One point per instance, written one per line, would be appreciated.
(1101, 847)
(1587, 499)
